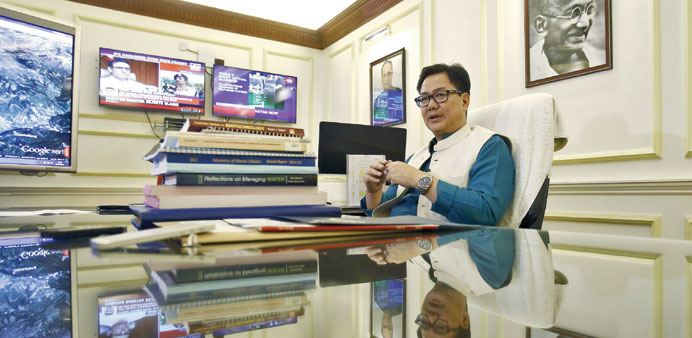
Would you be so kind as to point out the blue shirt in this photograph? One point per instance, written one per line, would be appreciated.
(483, 201)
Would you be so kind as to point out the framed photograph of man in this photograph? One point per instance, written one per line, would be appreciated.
(566, 38)
(387, 90)
(388, 309)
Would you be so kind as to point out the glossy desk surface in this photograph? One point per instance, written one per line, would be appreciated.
(377, 285)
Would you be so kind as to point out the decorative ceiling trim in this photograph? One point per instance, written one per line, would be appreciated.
(347, 21)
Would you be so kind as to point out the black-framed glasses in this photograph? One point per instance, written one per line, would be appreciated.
(439, 326)
(576, 13)
(439, 96)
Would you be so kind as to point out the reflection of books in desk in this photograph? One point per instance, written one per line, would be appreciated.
(191, 299)
(246, 322)
(235, 308)
(233, 265)
(225, 232)
(166, 282)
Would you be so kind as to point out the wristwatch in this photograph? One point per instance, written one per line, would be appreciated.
(425, 244)
(424, 183)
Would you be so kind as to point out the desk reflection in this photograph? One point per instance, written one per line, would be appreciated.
(504, 272)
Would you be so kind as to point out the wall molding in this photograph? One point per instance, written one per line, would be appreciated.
(656, 149)
(643, 187)
(688, 299)
(688, 228)
(657, 271)
(654, 222)
(687, 7)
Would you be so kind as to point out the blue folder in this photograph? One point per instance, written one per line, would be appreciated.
(146, 216)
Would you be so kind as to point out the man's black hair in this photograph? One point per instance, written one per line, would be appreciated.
(180, 75)
(118, 59)
(457, 74)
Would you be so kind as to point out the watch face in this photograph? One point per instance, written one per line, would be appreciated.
(425, 244)
(424, 184)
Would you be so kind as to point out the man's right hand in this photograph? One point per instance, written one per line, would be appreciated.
(375, 177)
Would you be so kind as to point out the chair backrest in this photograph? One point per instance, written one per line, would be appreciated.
(533, 124)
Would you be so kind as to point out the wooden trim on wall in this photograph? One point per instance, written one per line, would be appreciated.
(347, 21)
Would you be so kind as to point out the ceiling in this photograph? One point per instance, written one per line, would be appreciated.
(346, 21)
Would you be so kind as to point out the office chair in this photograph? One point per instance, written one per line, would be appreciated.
(534, 126)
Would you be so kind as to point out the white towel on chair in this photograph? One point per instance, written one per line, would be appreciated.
(534, 126)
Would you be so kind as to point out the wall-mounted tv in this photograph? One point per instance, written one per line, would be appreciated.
(38, 91)
(253, 94)
(142, 81)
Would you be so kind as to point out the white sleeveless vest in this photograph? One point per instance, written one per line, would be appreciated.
(451, 162)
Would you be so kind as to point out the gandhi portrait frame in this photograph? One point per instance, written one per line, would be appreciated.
(398, 319)
(388, 107)
(597, 45)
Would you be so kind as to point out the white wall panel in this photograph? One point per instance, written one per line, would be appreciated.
(610, 295)
(340, 85)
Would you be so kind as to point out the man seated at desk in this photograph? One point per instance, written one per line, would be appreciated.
(465, 174)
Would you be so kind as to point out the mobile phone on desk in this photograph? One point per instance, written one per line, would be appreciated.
(148, 235)
(82, 231)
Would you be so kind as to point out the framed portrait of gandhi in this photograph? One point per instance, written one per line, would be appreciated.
(388, 309)
(388, 90)
(566, 38)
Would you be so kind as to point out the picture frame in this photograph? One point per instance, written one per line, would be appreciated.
(388, 308)
(557, 47)
(388, 89)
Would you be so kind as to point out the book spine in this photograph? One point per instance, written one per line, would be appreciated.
(192, 299)
(242, 271)
(224, 201)
(231, 159)
(160, 168)
(209, 326)
(186, 179)
(240, 144)
(240, 308)
(196, 125)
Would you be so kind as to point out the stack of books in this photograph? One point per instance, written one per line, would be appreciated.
(234, 292)
(215, 169)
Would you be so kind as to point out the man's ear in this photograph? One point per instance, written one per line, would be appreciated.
(540, 23)
(465, 319)
(465, 100)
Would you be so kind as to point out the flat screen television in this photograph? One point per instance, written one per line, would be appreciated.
(340, 139)
(39, 58)
(252, 94)
(36, 289)
(141, 81)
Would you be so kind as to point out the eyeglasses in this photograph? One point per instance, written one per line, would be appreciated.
(440, 97)
(439, 326)
(576, 13)
(122, 68)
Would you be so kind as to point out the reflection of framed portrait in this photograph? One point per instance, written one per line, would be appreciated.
(388, 309)
(564, 39)
(387, 90)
